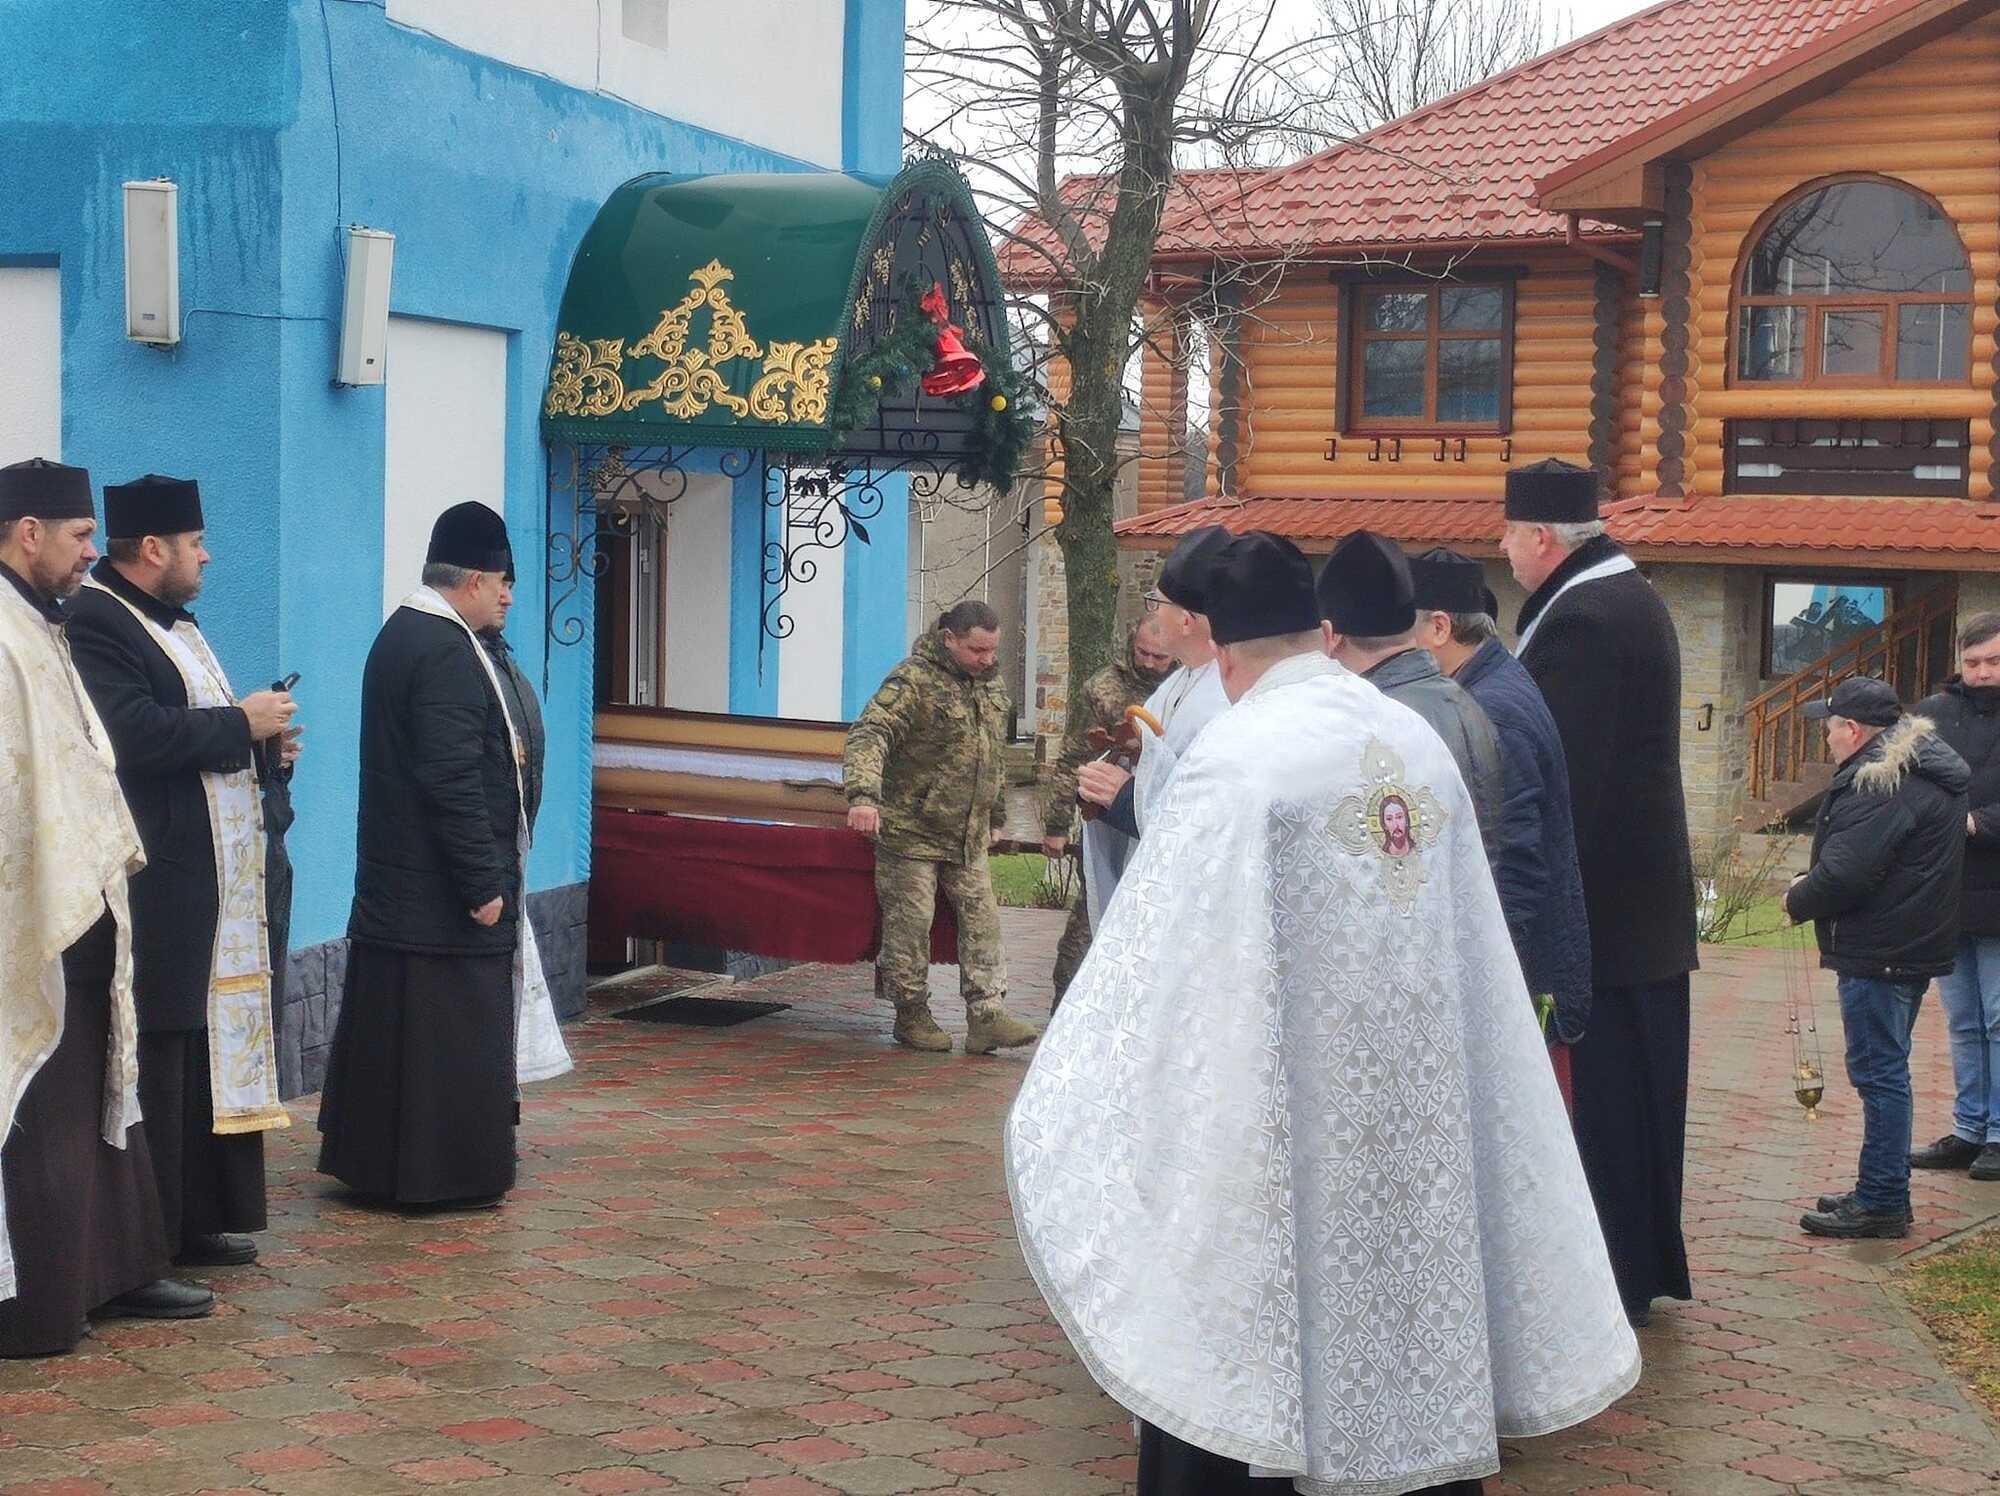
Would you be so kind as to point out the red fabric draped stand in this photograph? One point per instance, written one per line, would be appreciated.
(803, 892)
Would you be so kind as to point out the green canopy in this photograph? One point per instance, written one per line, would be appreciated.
(719, 310)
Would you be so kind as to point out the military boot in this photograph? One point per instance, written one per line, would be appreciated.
(916, 1029)
(989, 1026)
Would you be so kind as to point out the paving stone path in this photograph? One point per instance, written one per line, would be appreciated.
(777, 1260)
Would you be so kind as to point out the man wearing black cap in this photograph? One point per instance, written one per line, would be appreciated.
(79, 1209)
(1600, 644)
(1184, 703)
(1882, 892)
(446, 1007)
(1534, 855)
(201, 960)
(1366, 597)
(1274, 1146)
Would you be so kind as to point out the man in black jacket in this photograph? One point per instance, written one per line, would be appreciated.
(202, 966)
(1882, 893)
(420, 1105)
(1967, 716)
(1600, 644)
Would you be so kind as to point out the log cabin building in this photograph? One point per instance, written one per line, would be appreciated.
(1742, 257)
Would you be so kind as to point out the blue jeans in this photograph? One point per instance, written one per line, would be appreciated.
(1971, 998)
(1879, 1016)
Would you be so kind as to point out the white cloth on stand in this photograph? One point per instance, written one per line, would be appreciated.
(1290, 1165)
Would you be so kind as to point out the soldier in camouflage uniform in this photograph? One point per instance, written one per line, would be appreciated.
(925, 778)
(1101, 703)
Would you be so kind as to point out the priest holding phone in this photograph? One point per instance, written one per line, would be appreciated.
(188, 751)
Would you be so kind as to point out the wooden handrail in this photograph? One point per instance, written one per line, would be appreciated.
(1782, 739)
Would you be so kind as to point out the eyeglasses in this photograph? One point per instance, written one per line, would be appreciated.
(1152, 601)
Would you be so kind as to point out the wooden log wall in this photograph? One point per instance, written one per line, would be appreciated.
(1931, 119)
(1290, 342)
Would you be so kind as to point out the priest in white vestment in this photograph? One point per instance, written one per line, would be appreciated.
(1290, 1166)
(1184, 703)
(79, 1214)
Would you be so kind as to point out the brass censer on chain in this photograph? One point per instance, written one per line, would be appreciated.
(1808, 1063)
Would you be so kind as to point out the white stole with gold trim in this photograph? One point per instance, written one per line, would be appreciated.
(242, 1052)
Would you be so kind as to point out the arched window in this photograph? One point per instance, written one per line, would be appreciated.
(1857, 281)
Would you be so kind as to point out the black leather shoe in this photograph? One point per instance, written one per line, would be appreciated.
(217, 1250)
(164, 1298)
(454, 1207)
(1949, 1152)
(1849, 1220)
(1834, 1202)
(1987, 1165)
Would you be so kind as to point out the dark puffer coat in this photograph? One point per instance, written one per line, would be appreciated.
(1887, 853)
(440, 810)
(1968, 719)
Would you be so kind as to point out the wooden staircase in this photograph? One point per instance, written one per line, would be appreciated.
(1912, 649)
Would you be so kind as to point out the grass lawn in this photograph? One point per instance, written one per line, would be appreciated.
(1762, 924)
(1957, 1293)
(1020, 882)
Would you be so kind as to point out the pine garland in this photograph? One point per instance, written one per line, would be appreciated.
(1003, 427)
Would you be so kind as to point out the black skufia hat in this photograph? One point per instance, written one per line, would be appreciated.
(1365, 589)
(471, 536)
(151, 505)
(1860, 698)
(1552, 492)
(1184, 578)
(44, 490)
(1443, 581)
(1260, 586)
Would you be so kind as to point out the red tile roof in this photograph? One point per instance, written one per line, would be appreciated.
(1465, 169)
(1311, 521)
(1734, 529)
(1763, 523)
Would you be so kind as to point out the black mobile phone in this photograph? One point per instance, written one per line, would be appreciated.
(287, 683)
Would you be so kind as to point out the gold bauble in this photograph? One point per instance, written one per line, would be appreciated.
(874, 381)
(998, 402)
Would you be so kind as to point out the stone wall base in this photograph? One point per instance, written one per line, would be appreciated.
(308, 1005)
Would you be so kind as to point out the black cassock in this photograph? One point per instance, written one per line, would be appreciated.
(1607, 659)
(420, 1103)
(207, 1183)
(83, 1216)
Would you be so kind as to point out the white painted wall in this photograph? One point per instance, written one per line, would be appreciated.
(811, 661)
(31, 371)
(697, 644)
(765, 71)
(446, 437)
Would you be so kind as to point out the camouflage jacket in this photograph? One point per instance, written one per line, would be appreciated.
(927, 751)
(1100, 703)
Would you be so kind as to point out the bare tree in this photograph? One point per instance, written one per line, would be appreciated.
(1396, 56)
(1071, 116)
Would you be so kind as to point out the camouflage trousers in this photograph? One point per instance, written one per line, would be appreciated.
(1075, 942)
(906, 888)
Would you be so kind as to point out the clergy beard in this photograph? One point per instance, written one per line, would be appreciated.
(51, 581)
(178, 592)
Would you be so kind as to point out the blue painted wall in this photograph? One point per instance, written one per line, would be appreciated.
(281, 122)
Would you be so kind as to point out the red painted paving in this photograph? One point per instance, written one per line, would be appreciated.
(777, 1260)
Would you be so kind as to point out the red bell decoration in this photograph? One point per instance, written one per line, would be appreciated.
(955, 369)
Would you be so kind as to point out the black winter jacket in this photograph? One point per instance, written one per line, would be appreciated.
(163, 747)
(439, 818)
(1608, 662)
(1968, 719)
(1888, 849)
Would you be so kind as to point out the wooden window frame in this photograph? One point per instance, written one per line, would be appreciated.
(1767, 594)
(1815, 308)
(1354, 338)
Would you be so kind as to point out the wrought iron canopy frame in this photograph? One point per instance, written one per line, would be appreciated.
(813, 502)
